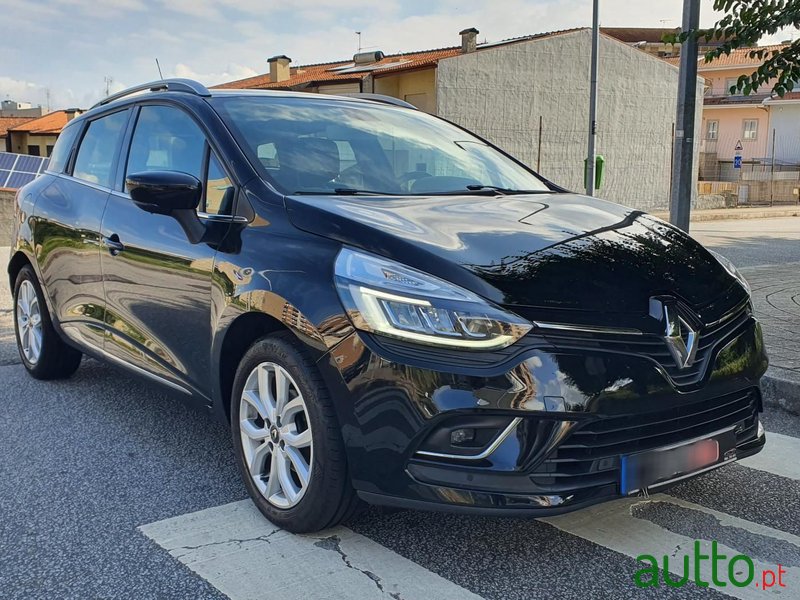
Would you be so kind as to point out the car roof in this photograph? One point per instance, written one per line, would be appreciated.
(183, 88)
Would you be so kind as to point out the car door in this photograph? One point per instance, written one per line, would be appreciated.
(67, 219)
(157, 283)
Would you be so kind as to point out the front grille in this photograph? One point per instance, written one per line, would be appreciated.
(712, 338)
(590, 455)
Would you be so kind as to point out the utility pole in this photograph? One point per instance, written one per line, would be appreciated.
(683, 155)
(591, 153)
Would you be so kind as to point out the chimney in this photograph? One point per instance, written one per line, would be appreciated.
(469, 40)
(279, 68)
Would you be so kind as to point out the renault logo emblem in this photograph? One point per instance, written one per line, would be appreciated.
(681, 338)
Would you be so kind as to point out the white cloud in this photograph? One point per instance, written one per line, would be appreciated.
(203, 9)
(36, 93)
(105, 10)
(221, 40)
(230, 73)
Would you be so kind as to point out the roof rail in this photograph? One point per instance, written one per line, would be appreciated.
(382, 98)
(173, 85)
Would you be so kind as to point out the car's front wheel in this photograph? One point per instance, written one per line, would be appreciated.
(44, 354)
(287, 440)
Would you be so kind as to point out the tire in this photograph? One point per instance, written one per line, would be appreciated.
(43, 352)
(267, 445)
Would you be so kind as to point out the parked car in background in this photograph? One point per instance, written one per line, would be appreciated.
(385, 307)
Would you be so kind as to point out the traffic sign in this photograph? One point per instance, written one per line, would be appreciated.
(737, 162)
(738, 146)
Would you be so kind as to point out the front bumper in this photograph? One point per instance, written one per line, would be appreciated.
(575, 413)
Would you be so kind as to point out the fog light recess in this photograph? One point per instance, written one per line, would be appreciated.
(469, 437)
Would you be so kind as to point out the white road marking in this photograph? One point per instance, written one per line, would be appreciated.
(613, 526)
(780, 456)
(246, 557)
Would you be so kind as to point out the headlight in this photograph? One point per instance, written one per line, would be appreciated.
(731, 268)
(382, 296)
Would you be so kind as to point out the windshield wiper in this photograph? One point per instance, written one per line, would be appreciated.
(345, 192)
(479, 187)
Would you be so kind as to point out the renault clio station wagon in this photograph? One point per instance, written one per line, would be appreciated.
(385, 307)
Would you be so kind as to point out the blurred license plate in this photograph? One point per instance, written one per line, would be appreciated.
(662, 465)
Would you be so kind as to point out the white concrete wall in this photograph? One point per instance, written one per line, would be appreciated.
(784, 118)
(501, 92)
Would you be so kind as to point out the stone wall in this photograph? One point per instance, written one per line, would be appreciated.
(779, 191)
(6, 215)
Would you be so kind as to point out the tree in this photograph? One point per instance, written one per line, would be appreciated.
(745, 22)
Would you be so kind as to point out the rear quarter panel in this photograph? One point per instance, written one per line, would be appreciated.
(21, 239)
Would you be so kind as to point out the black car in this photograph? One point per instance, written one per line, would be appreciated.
(385, 307)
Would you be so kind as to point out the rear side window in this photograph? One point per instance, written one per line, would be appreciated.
(166, 139)
(98, 149)
(64, 143)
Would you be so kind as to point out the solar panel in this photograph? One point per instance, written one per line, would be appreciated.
(28, 164)
(17, 180)
(18, 169)
(7, 160)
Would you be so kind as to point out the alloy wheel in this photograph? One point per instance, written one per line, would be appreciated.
(276, 435)
(29, 322)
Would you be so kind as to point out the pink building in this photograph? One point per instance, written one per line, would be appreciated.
(732, 120)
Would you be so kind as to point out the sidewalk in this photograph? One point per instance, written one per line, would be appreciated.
(756, 212)
(776, 299)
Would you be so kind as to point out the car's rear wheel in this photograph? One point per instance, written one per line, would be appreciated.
(43, 352)
(287, 440)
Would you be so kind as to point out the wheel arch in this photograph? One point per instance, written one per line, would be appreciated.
(15, 265)
(237, 338)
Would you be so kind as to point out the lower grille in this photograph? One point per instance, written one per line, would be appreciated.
(590, 455)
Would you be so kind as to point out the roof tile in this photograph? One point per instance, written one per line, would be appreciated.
(51, 123)
(738, 58)
(7, 123)
(305, 75)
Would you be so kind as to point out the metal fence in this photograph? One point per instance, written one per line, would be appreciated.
(750, 172)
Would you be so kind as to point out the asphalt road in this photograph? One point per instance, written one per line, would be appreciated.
(112, 489)
(752, 242)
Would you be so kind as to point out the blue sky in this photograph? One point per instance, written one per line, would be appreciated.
(69, 46)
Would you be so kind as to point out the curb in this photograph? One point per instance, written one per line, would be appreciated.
(698, 216)
(779, 392)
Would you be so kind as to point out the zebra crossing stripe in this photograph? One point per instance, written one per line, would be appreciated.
(779, 456)
(246, 557)
(667, 526)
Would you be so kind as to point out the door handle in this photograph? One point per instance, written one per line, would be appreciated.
(113, 244)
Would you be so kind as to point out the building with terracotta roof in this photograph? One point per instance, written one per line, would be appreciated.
(530, 96)
(732, 123)
(38, 136)
(650, 40)
(7, 123)
(409, 76)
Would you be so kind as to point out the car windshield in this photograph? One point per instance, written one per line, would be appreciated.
(321, 146)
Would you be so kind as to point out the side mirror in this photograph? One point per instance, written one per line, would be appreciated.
(170, 193)
(164, 192)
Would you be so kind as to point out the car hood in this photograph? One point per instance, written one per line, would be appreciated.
(558, 256)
